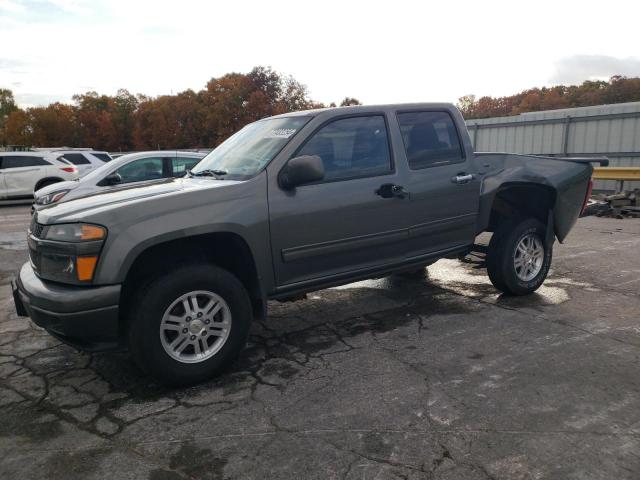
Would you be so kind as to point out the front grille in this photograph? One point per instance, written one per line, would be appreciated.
(35, 228)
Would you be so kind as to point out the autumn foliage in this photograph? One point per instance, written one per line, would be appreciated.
(127, 122)
(617, 90)
(190, 119)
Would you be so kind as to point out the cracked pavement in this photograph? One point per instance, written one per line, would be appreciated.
(434, 377)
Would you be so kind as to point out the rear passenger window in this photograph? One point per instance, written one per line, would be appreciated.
(76, 158)
(17, 161)
(430, 139)
(351, 147)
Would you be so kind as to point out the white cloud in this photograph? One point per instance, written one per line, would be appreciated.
(578, 68)
(71, 6)
(26, 100)
(10, 6)
(377, 51)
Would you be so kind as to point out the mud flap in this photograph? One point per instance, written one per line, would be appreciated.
(550, 235)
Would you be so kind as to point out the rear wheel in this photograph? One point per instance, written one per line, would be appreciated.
(518, 259)
(190, 324)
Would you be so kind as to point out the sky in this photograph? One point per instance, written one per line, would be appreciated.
(379, 52)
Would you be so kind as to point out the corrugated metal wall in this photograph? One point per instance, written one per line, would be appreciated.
(605, 130)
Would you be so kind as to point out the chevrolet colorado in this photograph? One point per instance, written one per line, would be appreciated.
(175, 271)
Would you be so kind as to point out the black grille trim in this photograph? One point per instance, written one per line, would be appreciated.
(36, 228)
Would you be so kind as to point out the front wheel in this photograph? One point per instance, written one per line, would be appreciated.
(518, 259)
(190, 324)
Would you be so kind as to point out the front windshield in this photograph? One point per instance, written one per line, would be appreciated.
(246, 152)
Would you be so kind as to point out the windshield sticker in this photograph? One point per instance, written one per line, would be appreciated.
(280, 133)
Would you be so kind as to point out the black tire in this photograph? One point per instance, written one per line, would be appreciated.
(501, 256)
(150, 305)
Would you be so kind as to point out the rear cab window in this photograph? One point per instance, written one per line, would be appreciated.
(430, 139)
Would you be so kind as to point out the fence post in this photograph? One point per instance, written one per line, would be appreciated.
(565, 135)
(475, 135)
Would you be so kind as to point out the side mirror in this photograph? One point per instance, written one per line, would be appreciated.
(112, 179)
(301, 170)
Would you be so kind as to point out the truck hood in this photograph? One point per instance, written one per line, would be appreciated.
(76, 209)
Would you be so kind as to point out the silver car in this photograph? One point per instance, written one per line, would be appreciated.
(144, 167)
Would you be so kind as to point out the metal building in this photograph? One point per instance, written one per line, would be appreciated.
(604, 130)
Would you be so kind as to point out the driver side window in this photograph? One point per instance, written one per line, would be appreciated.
(351, 148)
(141, 170)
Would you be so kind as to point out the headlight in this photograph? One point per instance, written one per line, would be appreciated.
(50, 198)
(67, 252)
(74, 232)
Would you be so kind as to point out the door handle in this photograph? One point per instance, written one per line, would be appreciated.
(389, 190)
(462, 178)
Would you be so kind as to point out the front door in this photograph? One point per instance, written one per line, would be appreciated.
(345, 222)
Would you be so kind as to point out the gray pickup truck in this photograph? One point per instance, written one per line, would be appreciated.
(176, 270)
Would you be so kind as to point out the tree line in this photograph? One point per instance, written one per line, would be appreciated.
(190, 119)
(618, 89)
(126, 122)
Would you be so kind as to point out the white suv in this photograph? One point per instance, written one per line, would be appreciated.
(85, 159)
(22, 173)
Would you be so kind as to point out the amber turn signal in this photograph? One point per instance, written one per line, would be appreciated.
(85, 267)
(92, 232)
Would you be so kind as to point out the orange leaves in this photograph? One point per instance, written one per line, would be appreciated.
(617, 90)
(189, 119)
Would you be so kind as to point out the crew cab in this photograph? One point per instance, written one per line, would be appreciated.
(175, 271)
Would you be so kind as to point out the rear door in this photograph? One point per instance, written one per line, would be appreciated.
(340, 224)
(443, 185)
(21, 173)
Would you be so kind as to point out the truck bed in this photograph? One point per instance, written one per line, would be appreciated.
(567, 177)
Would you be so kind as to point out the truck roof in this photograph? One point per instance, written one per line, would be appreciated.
(368, 108)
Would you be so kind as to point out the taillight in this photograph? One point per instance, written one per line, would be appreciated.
(69, 169)
(587, 196)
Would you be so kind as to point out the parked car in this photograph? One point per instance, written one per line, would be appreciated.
(22, 173)
(86, 159)
(176, 270)
(145, 167)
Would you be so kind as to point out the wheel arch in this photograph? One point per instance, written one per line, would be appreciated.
(515, 199)
(50, 180)
(225, 249)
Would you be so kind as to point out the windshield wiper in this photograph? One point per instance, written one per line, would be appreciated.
(208, 173)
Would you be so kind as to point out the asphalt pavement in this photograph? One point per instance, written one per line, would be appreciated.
(435, 376)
